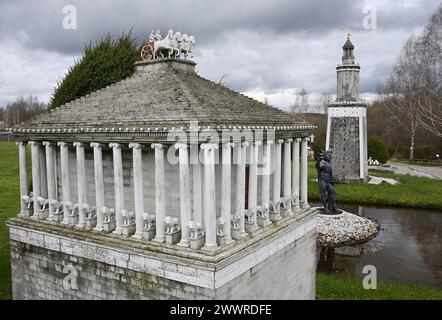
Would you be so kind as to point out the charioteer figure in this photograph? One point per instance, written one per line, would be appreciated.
(326, 182)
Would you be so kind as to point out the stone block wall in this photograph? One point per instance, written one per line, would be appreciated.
(344, 142)
(280, 266)
(288, 274)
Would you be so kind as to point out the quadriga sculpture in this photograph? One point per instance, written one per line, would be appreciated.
(172, 46)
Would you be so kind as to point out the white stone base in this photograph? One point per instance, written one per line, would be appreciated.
(72, 220)
(279, 262)
(197, 243)
(109, 226)
(91, 222)
(274, 216)
(128, 230)
(174, 237)
(263, 221)
(149, 234)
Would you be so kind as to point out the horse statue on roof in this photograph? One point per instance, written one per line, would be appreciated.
(174, 45)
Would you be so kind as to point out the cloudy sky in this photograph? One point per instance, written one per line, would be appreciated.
(262, 48)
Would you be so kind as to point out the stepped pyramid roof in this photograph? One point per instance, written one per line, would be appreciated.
(161, 95)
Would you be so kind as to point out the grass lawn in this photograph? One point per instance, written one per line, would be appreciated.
(9, 207)
(331, 287)
(412, 191)
(328, 287)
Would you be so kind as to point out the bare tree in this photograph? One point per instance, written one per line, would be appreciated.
(222, 80)
(301, 103)
(413, 91)
(324, 103)
(398, 94)
(21, 110)
(429, 60)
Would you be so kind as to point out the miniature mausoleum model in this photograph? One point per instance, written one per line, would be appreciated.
(164, 185)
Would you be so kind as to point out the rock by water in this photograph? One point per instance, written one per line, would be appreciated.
(345, 229)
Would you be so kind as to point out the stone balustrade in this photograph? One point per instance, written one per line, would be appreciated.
(201, 223)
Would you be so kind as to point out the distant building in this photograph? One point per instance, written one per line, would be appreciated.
(347, 122)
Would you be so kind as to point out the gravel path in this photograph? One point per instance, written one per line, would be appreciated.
(415, 170)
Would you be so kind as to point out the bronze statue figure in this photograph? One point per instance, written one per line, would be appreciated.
(326, 182)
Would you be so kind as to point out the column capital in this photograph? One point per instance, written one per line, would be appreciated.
(181, 145)
(34, 143)
(135, 145)
(269, 142)
(306, 139)
(47, 143)
(257, 143)
(209, 146)
(96, 145)
(298, 140)
(20, 143)
(62, 144)
(78, 144)
(115, 145)
(279, 141)
(290, 140)
(158, 146)
(245, 144)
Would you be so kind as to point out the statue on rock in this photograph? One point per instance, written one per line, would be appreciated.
(326, 182)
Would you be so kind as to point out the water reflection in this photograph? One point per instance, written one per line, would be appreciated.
(408, 247)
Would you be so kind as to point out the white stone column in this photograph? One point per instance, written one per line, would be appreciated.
(241, 185)
(35, 155)
(295, 173)
(43, 173)
(160, 201)
(226, 190)
(287, 180)
(50, 170)
(23, 168)
(253, 183)
(304, 174)
(138, 188)
(118, 186)
(197, 186)
(99, 184)
(65, 181)
(56, 178)
(363, 157)
(327, 137)
(265, 179)
(277, 176)
(209, 194)
(184, 192)
(81, 183)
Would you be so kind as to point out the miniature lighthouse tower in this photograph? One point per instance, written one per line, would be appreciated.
(347, 122)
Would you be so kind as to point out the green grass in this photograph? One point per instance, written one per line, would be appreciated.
(332, 287)
(9, 207)
(413, 192)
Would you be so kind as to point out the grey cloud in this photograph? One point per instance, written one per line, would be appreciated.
(42, 20)
(270, 46)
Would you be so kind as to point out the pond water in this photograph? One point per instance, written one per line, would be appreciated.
(407, 249)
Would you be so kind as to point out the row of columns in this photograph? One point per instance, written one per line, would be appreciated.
(291, 170)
